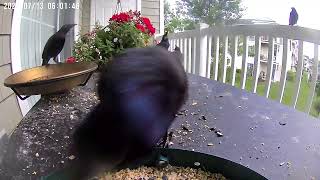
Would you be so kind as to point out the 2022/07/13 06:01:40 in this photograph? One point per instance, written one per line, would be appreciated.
(41, 5)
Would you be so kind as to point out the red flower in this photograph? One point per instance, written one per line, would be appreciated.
(151, 29)
(146, 21)
(140, 27)
(71, 60)
(121, 17)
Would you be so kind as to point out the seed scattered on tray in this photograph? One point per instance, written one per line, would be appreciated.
(282, 123)
(196, 163)
(72, 157)
(219, 134)
(210, 144)
(169, 173)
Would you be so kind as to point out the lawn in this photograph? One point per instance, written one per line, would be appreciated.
(274, 91)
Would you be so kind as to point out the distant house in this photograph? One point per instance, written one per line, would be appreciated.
(277, 53)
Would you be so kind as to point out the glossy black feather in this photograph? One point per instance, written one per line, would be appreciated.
(55, 44)
(140, 92)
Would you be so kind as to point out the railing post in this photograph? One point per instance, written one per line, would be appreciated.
(201, 51)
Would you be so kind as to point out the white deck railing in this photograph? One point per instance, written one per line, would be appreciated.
(201, 47)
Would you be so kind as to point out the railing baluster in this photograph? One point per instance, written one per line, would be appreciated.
(234, 54)
(189, 54)
(299, 73)
(244, 62)
(269, 66)
(224, 57)
(194, 55)
(314, 78)
(171, 43)
(257, 52)
(283, 69)
(216, 57)
(185, 53)
(209, 48)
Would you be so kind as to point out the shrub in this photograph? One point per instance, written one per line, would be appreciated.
(291, 76)
(317, 106)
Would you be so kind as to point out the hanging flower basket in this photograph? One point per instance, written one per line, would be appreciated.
(124, 30)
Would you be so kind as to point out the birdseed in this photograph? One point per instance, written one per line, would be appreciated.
(169, 172)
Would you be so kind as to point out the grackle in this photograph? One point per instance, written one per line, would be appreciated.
(293, 19)
(140, 92)
(178, 54)
(55, 44)
(164, 41)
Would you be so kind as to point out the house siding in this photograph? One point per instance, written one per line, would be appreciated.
(152, 10)
(10, 114)
(84, 19)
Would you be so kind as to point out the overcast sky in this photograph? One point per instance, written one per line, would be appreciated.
(279, 11)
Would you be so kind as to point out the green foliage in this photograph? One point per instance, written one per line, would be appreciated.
(317, 88)
(214, 12)
(317, 106)
(291, 76)
(176, 19)
(102, 44)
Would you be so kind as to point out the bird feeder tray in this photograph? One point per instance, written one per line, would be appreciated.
(180, 158)
(50, 79)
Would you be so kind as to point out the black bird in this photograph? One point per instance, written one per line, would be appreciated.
(55, 44)
(178, 54)
(140, 92)
(164, 41)
(293, 19)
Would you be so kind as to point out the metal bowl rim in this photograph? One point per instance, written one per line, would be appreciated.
(92, 67)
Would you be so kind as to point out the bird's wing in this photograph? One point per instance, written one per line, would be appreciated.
(290, 18)
(53, 46)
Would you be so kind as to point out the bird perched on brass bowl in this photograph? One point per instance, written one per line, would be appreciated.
(55, 44)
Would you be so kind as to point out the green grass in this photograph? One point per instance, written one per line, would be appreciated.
(275, 88)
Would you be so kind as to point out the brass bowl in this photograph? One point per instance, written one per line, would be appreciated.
(50, 79)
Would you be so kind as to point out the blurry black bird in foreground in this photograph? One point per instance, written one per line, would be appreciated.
(293, 19)
(164, 41)
(140, 92)
(55, 44)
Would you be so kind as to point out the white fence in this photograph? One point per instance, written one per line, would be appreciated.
(200, 49)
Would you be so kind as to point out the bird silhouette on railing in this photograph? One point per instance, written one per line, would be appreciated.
(55, 44)
(140, 92)
(178, 54)
(293, 19)
(164, 41)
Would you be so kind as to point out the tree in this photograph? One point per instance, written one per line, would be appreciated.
(214, 12)
(176, 19)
